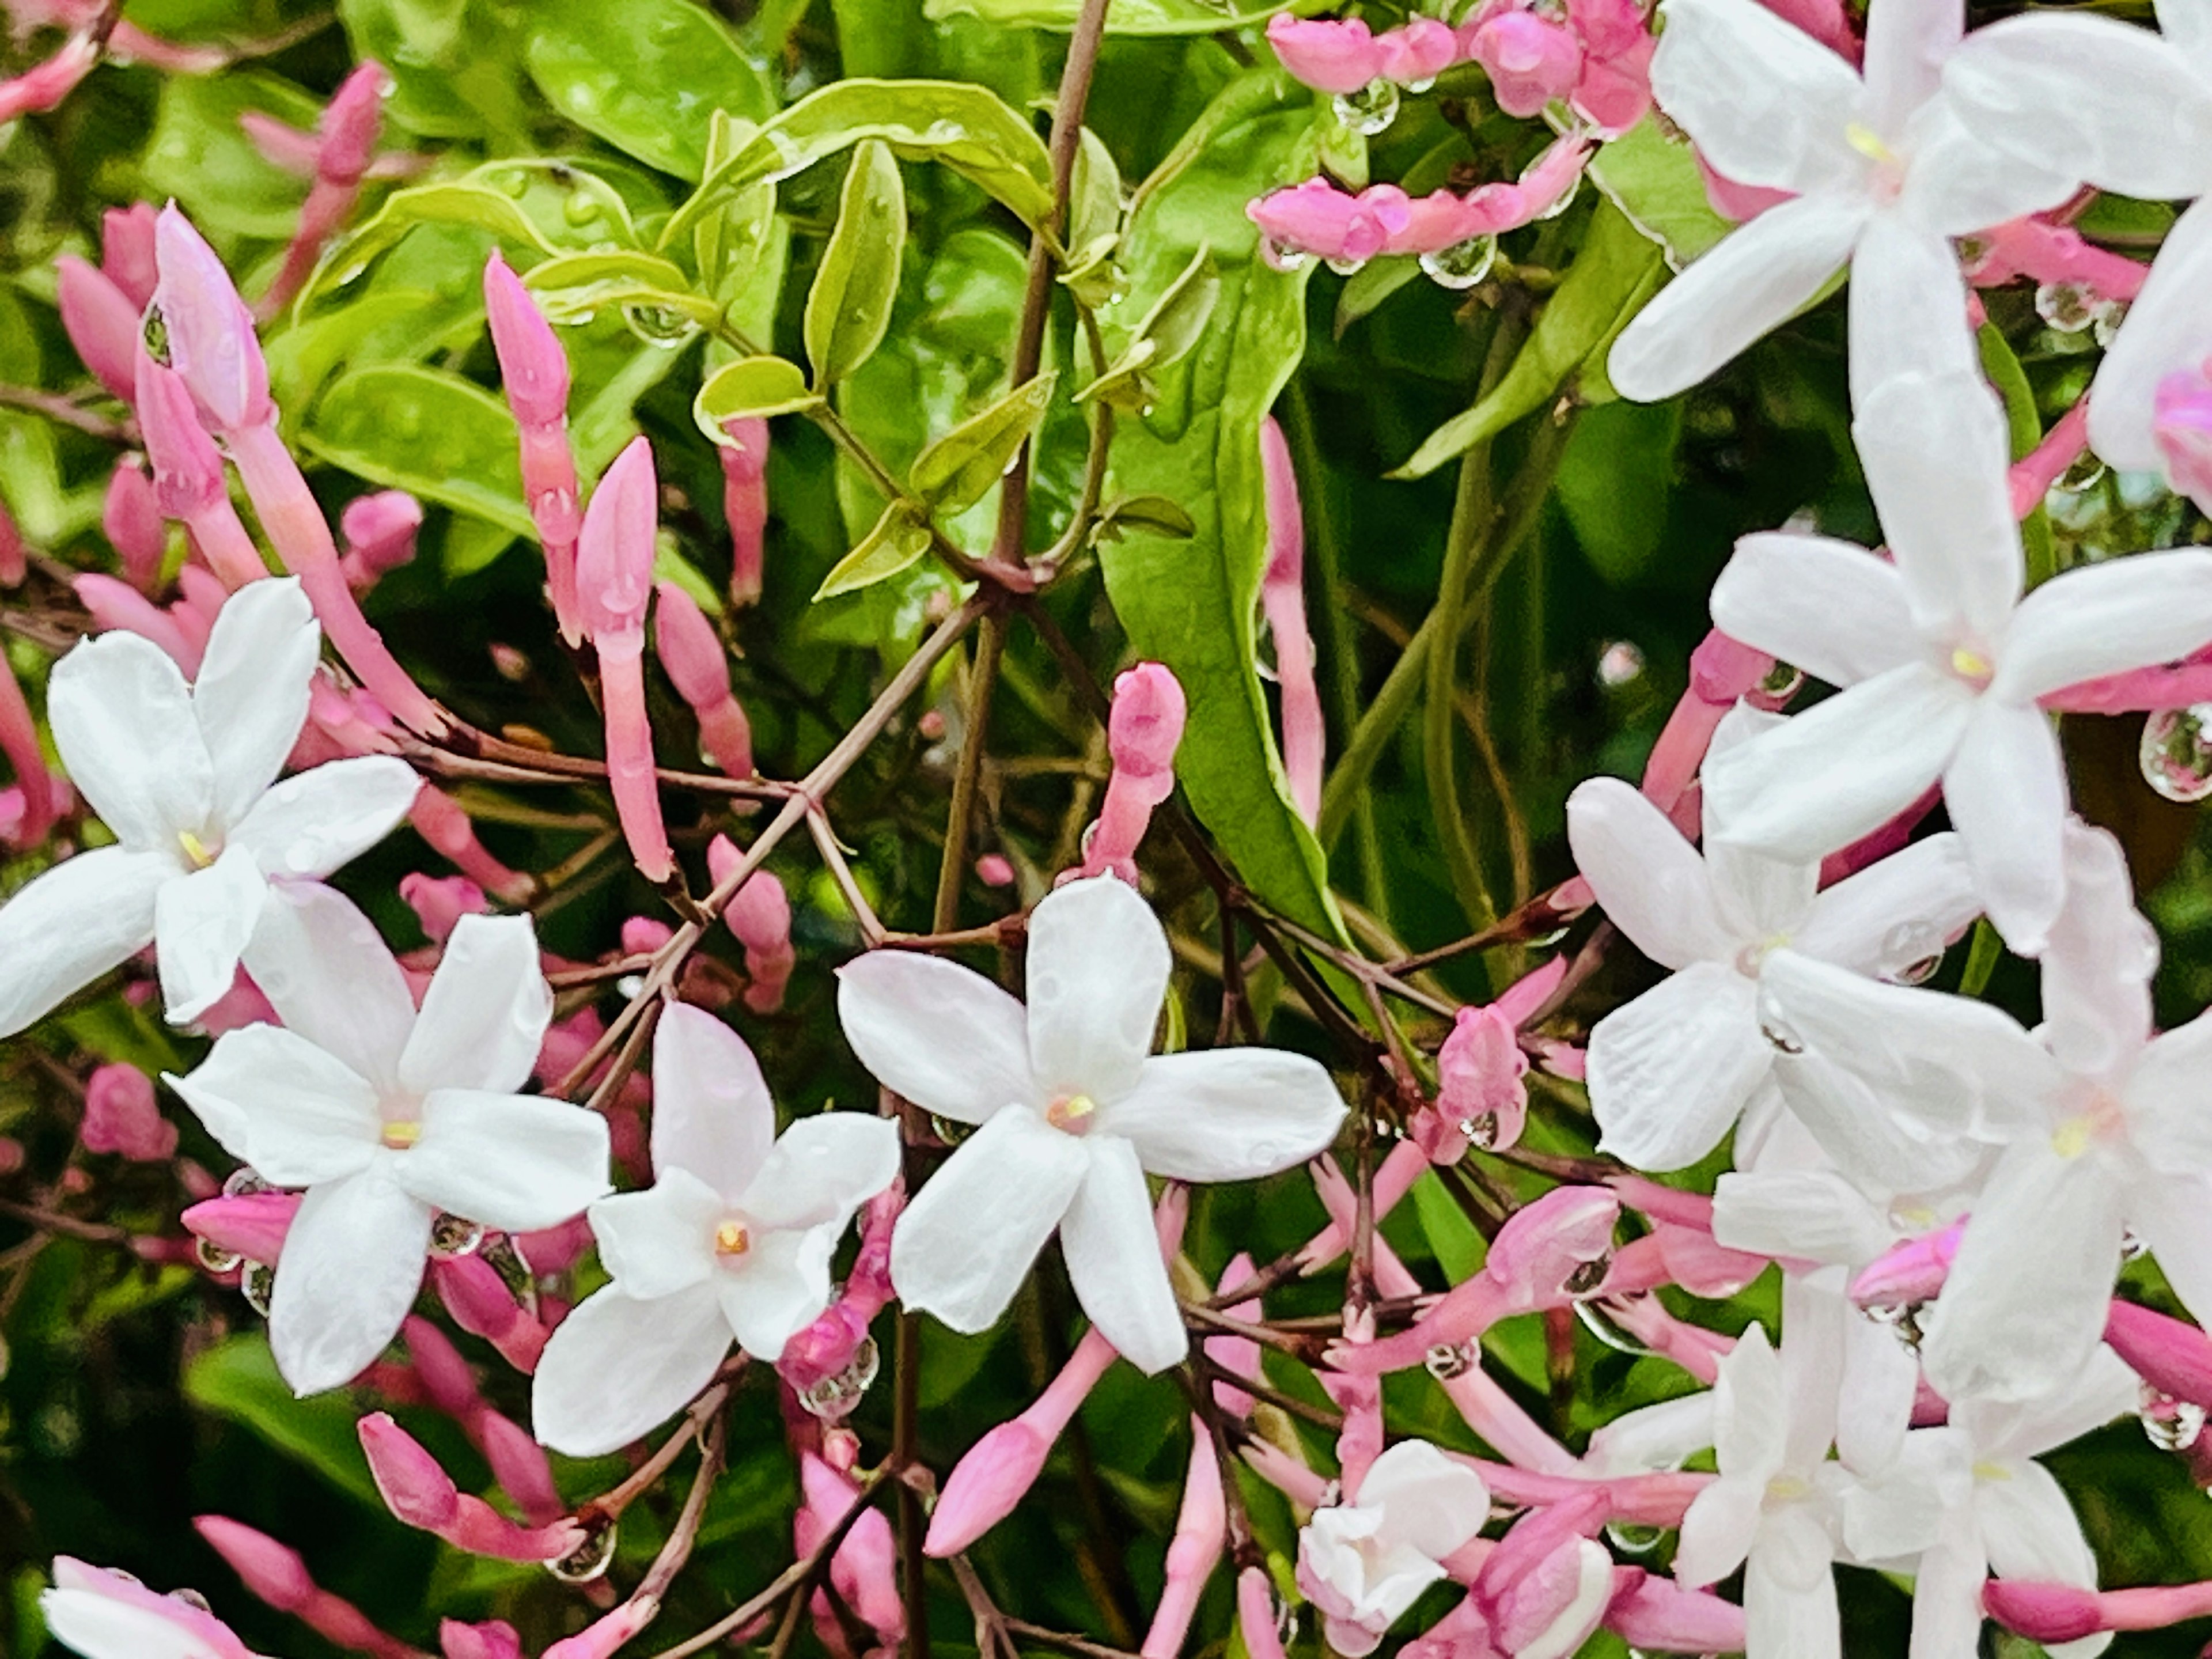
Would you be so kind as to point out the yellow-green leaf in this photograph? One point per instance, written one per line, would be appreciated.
(751, 386)
(849, 305)
(958, 469)
(896, 543)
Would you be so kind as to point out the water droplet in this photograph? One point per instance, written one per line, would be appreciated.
(1480, 1130)
(1586, 1276)
(2169, 1424)
(2084, 474)
(1462, 265)
(1780, 1033)
(1566, 200)
(579, 210)
(949, 1130)
(1782, 681)
(660, 325)
(1902, 1319)
(213, 1257)
(2177, 752)
(1912, 951)
(2132, 1249)
(833, 1398)
(590, 1559)
(1597, 1318)
(2105, 321)
(1346, 267)
(1369, 110)
(2069, 307)
(1450, 1359)
(1619, 662)
(154, 330)
(1282, 256)
(256, 1283)
(1630, 1538)
(453, 1235)
(515, 185)
(193, 1599)
(245, 1181)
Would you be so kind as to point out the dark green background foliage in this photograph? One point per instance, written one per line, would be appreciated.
(570, 130)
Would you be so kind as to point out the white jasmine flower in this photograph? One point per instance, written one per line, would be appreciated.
(387, 1117)
(1942, 658)
(185, 777)
(1072, 1115)
(1365, 1563)
(732, 1241)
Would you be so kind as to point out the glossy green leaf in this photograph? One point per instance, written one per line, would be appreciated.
(1615, 481)
(1123, 18)
(200, 156)
(1164, 338)
(749, 386)
(960, 468)
(237, 1378)
(477, 205)
(1614, 273)
(1154, 514)
(454, 65)
(966, 128)
(1188, 602)
(743, 246)
(1654, 180)
(446, 438)
(896, 542)
(646, 76)
(849, 305)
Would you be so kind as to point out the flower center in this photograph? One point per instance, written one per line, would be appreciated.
(1972, 666)
(731, 1238)
(2101, 1119)
(403, 1132)
(1749, 959)
(197, 850)
(1071, 1114)
(1788, 1488)
(1985, 1470)
(1888, 165)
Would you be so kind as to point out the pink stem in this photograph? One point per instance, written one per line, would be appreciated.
(630, 753)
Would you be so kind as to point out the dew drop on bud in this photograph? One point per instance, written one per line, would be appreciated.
(2105, 320)
(2177, 752)
(1462, 265)
(1598, 1320)
(1631, 1539)
(2169, 1424)
(1619, 664)
(833, 1398)
(1586, 1276)
(1347, 266)
(590, 1559)
(192, 1599)
(154, 330)
(256, 1283)
(1779, 1033)
(244, 1182)
(1448, 1360)
(2069, 307)
(1369, 110)
(1912, 951)
(213, 1257)
(1480, 1130)
(1782, 681)
(452, 1235)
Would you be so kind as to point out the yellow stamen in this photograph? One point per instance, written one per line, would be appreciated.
(1070, 1114)
(1788, 1488)
(2071, 1138)
(1970, 664)
(402, 1134)
(1985, 1471)
(195, 849)
(732, 1239)
(1868, 143)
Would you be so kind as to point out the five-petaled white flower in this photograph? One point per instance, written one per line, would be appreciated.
(1365, 1562)
(1942, 658)
(1072, 1115)
(1670, 1070)
(185, 775)
(733, 1241)
(387, 1117)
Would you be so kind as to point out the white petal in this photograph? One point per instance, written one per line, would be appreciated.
(1892, 914)
(102, 1627)
(1113, 1262)
(617, 1366)
(777, 1289)
(352, 1263)
(822, 1168)
(316, 821)
(2168, 327)
(202, 922)
(2025, 1303)
(2104, 618)
(122, 718)
(1755, 279)
(1874, 1136)
(1946, 1601)
(964, 1244)
(330, 977)
(2105, 1389)
(1098, 974)
(485, 1011)
(1428, 1500)
(1718, 1529)
(1751, 1410)
(1832, 608)
(251, 697)
(2030, 1530)
(1227, 1114)
(66, 927)
(1766, 103)
(1650, 882)
(712, 1112)
(2172, 1215)
(1906, 310)
(2006, 793)
(1892, 1514)
(514, 1162)
(660, 1241)
(1790, 1590)
(1935, 450)
(1813, 1213)
(1958, 181)
(1906, 42)
(2166, 1095)
(1815, 1316)
(1874, 1404)
(938, 1033)
(1650, 1438)
(277, 1102)
(1670, 1071)
(1843, 767)
(2098, 966)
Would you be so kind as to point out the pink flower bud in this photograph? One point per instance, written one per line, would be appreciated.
(444, 824)
(1913, 1272)
(985, 1485)
(270, 1570)
(1558, 1238)
(2043, 1613)
(380, 531)
(599, 1639)
(863, 1571)
(44, 85)
(2183, 427)
(481, 1304)
(120, 1116)
(1145, 725)
(1418, 51)
(1255, 1614)
(117, 604)
(101, 323)
(1548, 1596)
(2172, 1356)
(1327, 55)
(519, 1463)
(15, 557)
(1721, 669)
(495, 1639)
(187, 467)
(615, 550)
(993, 869)
(642, 935)
(532, 367)
(1481, 1069)
(1317, 217)
(130, 518)
(201, 1632)
(1531, 61)
(282, 145)
(760, 915)
(440, 901)
(689, 649)
(415, 1488)
(249, 1224)
(211, 342)
(1656, 1613)
(349, 123)
(745, 504)
(126, 252)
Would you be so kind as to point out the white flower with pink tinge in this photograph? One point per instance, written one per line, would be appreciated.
(1072, 1115)
(1365, 1563)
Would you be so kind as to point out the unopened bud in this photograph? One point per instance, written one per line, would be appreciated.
(187, 467)
(130, 518)
(272, 1570)
(1531, 60)
(126, 252)
(349, 125)
(532, 369)
(210, 332)
(101, 323)
(415, 1487)
(615, 549)
(440, 901)
(2043, 1613)
(1327, 55)
(985, 1485)
(120, 1116)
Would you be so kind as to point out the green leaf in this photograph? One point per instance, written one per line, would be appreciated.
(896, 542)
(2024, 429)
(1154, 514)
(965, 128)
(1164, 338)
(1615, 481)
(1122, 17)
(446, 438)
(743, 246)
(1189, 602)
(751, 386)
(199, 154)
(849, 305)
(1611, 278)
(960, 468)
(646, 79)
(1460, 1248)
(1653, 179)
(237, 1378)
(476, 205)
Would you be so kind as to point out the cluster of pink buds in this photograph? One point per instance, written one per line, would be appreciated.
(1142, 733)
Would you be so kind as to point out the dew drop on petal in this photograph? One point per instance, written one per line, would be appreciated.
(1586, 1276)
(1902, 1319)
(2169, 1424)
(245, 1181)
(1480, 1130)
(2132, 1248)
(192, 1599)
(1369, 110)
(2177, 752)
(213, 1257)
(1283, 256)
(256, 1283)
(1912, 951)
(833, 1398)
(1782, 681)
(1462, 265)
(1631, 1539)
(2069, 307)
(1346, 267)
(1598, 1320)
(453, 1235)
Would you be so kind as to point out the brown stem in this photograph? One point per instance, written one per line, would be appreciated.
(677, 1550)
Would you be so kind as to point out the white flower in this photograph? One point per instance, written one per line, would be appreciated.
(1773, 1509)
(1671, 1070)
(387, 1117)
(110, 1615)
(1072, 1115)
(1365, 1563)
(185, 775)
(2103, 1128)
(1886, 167)
(1968, 1498)
(732, 1242)
(1942, 658)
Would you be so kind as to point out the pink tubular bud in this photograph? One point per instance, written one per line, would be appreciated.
(126, 252)
(745, 504)
(642, 935)
(1913, 1272)
(2171, 1355)
(349, 123)
(249, 1224)
(1531, 61)
(519, 1463)
(1282, 601)
(494, 1640)
(482, 1305)
(14, 557)
(440, 901)
(863, 1572)
(120, 1116)
(1418, 51)
(187, 467)
(44, 85)
(1657, 1614)
(415, 1487)
(599, 1639)
(281, 144)
(2043, 1613)
(211, 343)
(985, 1485)
(1256, 1616)
(691, 653)
(1721, 669)
(532, 369)
(993, 869)
(117, 604)
(1145, 725)
(1328, 56)
(130, 518)
(379, 533)
(615, 548)
(19, 741)
(101, 323)
(759, 914)
(444, 824)
(272, 1570)
(1201, 1531)
(1317, 217)
(1547, 1586)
